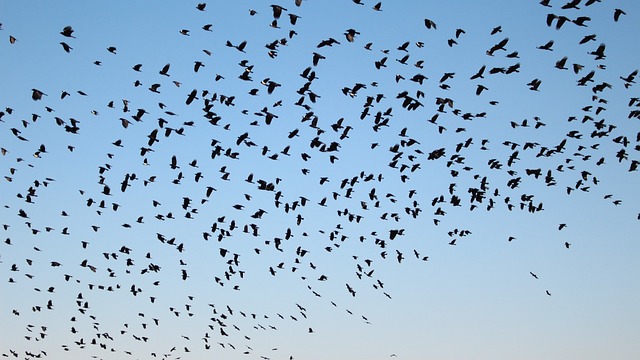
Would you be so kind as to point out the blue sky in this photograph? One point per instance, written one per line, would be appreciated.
(475, 297)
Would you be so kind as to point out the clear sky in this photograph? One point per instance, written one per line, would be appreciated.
(365, 206)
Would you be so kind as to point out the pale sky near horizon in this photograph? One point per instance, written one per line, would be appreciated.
(344, 227)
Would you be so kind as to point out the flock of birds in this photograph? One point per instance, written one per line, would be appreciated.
(235, 193)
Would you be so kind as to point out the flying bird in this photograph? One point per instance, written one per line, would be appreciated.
(430, 24)
(617, 13)
(277, 11)
(67, 31)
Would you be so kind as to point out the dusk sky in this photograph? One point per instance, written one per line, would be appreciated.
(319, 179)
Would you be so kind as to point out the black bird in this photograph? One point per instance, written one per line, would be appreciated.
(580, 21)
(66, 46)
(67, 31)
(350, 34)
(328, 42)
(479, 74)
(588, 38)
(277, 11)
(240, 47)
(599, 52)
(499, 46)
(293, 18)
(534, 84)
(192, 96)
(560, 64)
(546, 46)
(316, 58)
(573, 4)
(165, 70)
(617, 13)
(37, 94)
(430, 24)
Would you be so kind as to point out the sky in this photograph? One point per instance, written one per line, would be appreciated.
(363, 207)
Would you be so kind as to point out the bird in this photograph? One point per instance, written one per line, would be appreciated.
(293, 18)
(66, 47)
(277, 11)
(316, 58)
(534, 84)
(573, 4)
(37, 94)
(430, 24)
(240, 47)
(477, 75)
(617, 13)
(581, 20)
(547, 46)
(67, 31)
(165, 70)
(560, 64)
(350, 34)
(599, 52)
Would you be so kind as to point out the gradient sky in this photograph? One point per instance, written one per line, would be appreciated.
(476, 299)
